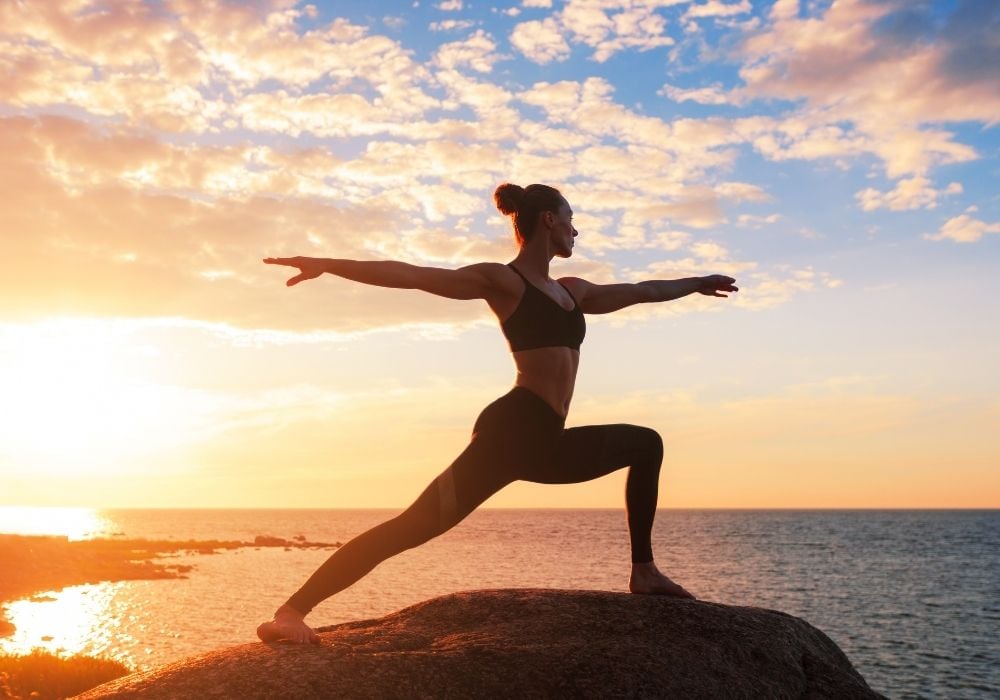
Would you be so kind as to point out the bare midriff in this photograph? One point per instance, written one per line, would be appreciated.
(550, 373)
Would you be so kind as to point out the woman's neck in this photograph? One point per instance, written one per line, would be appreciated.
(534, 257)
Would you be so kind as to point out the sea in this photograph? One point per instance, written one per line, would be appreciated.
(911, 596)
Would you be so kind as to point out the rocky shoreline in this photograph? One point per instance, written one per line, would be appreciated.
(34, 564)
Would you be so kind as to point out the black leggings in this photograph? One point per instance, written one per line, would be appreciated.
(518, 436)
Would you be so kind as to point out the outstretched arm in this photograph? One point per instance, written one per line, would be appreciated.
(605, 298)
(476, 281)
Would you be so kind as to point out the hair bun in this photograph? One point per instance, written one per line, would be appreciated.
(508, 198)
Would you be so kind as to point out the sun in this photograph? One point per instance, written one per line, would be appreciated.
(75, 399)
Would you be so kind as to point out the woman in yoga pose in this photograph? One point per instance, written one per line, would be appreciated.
(521, 435)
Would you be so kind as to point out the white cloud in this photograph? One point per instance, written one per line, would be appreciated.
(757, 221)
(742, 192)
(715, 8)
(540, 40)
(477, 52)
(963, 229)
(450, 5)
(606, 28)
(910, 193)
(711, 95)
(451, 25)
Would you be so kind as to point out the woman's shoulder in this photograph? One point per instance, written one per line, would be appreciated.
(499, 277)
(576, 285)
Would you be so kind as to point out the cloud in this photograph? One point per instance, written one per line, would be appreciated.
(963, 229)
(715, 8)
(711, 95)
(323, 130)
(451, 25)
(697, 257)
(759, 289)
(477, 52)
(909, 193)
(607, 29)
(449, 5)
(131, 250)
(756, 221)
(394, 22)
(171, 68)
(742, 192)
(848, 65)
(540, 40)
(764, 290)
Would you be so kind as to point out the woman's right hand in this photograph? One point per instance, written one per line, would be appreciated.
(309, 268)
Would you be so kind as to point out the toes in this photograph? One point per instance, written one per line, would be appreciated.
(267, 633)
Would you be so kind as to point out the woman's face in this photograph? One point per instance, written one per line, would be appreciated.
(562, 232)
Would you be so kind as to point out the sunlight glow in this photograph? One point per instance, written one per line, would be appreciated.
(75, 620)
(74, 523)
(78, 398)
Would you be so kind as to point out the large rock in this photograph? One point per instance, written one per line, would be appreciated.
(527, 643)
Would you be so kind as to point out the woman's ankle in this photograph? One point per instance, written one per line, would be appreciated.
(287, 610)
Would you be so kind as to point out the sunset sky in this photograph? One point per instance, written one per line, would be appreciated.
(840, 159)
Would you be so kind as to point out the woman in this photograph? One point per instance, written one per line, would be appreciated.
(520, 435)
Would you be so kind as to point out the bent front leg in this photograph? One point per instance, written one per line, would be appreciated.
(589, 452)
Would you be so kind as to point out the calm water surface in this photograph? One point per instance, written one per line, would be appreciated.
(912, 597)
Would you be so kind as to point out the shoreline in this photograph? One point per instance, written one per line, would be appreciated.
(36, 564)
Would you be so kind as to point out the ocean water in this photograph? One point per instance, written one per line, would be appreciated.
(912, 597)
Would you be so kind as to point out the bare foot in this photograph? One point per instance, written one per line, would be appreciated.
(647, 579)
(289, 625)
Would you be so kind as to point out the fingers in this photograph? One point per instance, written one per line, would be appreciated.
(295, 280)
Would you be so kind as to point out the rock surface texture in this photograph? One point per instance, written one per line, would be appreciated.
(527, 643)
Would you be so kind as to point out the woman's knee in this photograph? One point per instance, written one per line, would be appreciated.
(651, 444)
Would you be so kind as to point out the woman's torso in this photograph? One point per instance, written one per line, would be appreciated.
(549, 371)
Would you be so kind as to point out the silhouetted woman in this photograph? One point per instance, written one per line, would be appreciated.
(521, 435)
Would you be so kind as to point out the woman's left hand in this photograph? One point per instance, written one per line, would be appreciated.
(713, 284)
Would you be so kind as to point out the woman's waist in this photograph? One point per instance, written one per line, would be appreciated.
(557, 394)
(522, 412)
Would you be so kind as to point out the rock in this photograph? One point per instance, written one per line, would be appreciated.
(269, 541)
(527, 644)
(300, 542)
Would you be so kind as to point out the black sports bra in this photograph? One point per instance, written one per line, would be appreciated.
(540, 322)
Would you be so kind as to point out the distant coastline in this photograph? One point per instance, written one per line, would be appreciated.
(35, 564)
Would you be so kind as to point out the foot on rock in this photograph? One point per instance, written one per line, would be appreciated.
(287, 626)
(646, 579)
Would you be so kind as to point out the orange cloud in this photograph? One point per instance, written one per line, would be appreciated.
(89, 243)
(848, 65)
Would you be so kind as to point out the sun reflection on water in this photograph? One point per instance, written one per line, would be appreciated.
(75, 523)
(76, 620)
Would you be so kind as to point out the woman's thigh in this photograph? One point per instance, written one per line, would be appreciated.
(478, 473)
(592, 451)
